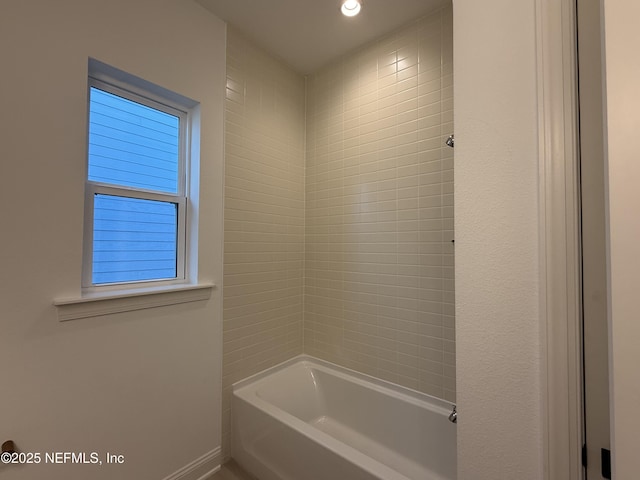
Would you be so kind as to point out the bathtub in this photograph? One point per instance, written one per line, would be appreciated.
(307, 419)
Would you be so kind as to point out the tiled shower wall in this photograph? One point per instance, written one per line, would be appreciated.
(264, 215)
(376, 255)
(379, 288)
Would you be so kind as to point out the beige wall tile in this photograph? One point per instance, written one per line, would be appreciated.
(338, 240)
(379, 290)
(264, 215)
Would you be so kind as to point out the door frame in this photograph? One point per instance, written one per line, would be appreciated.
(560, 268)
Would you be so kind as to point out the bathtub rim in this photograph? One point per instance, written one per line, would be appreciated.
(247, 391)
(383, 386)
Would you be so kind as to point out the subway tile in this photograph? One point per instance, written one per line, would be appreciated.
(263, 200)
(378, 288)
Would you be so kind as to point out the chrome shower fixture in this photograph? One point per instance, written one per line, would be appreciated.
(453, 416)
(449, 141)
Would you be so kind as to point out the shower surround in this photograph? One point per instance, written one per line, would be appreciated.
(379, 287)
(339, 211)
(263, 215)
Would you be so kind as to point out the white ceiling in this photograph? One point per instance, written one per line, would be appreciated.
(308, 34)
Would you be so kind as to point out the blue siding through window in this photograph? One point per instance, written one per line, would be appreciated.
(132, 145)
(133, 239)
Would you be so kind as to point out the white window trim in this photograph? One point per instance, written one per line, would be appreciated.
(124, 297)
(118, 301)
(94, 188)
(157, 102)
(180, 198)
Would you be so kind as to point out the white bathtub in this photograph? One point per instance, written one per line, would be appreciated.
(307, 419)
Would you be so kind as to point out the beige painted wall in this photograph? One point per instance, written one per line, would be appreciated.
(145, 384)
(496, 222)
(622, 148)
(379, 288)
(264, 214)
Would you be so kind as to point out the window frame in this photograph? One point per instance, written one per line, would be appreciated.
(180, 198)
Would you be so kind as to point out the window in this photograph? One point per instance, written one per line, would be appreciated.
(142, 197)
(136, 192)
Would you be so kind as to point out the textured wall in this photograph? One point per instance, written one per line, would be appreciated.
(622, 38)
(264, 214)
(379, 288)
(497, 273)
(132, 382)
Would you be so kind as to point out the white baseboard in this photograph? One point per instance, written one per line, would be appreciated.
(201, 468)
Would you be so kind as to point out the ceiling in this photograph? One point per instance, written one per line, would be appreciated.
(308, 34)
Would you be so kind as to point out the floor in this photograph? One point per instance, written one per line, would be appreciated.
(231, 471)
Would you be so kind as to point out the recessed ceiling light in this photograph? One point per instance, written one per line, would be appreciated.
(350, 8)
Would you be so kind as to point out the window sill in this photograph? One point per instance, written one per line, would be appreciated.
(117, 301)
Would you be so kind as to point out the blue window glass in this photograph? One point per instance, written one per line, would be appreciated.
(135, 146)
(133, 239)
(131, 144)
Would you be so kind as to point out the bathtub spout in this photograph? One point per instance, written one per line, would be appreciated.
(453, 416)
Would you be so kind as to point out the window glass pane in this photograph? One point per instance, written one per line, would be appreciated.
(131, 144)
(133, 239)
